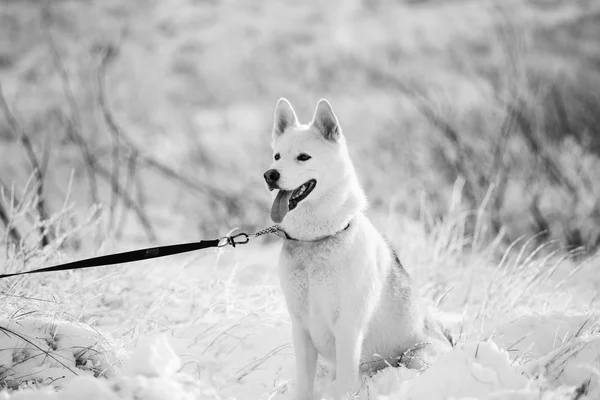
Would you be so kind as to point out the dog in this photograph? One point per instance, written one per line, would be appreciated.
(349, 298)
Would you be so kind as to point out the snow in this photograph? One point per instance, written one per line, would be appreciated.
(40, 351)
(539, 334)
(476, 370)
(150, 374)
(226, 335)
(570, 365)
(153, 357)
(481, 370)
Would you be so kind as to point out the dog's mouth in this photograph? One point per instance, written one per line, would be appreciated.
(301, 193)
(287, 200)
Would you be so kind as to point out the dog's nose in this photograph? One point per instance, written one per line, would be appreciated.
(271, 176)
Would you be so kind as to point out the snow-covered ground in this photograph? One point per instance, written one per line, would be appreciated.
(481, 370)
(214, 326)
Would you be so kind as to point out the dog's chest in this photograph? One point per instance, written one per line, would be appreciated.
(309, 279)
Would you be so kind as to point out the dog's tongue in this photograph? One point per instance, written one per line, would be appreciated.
(280, 205)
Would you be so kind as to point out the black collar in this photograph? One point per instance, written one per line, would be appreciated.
(281, 233)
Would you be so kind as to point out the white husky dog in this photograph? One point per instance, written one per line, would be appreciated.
(349, 298)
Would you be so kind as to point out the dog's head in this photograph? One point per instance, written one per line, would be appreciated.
(308, 160)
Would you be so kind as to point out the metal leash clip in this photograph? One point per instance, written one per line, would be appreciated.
(243, 238)
(240, 238)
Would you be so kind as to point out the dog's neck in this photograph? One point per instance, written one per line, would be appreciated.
(328, 215)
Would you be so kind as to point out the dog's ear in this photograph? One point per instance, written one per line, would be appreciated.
(284, 117)
(326, 121)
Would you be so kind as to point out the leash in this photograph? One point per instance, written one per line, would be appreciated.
(152, 252)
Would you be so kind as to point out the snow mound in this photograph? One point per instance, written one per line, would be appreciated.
(554, 356)
(150, 374)
(41, 352)
(474, 371)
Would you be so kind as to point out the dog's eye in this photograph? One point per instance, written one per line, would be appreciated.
(303, 157)
(277, 157)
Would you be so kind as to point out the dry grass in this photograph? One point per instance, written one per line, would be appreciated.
(422, 106)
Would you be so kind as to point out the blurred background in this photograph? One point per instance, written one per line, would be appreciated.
(134, 121)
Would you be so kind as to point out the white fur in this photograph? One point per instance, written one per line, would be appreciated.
(348, 299)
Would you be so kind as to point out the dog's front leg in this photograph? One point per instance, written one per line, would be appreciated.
(306, 361)
(348, 347)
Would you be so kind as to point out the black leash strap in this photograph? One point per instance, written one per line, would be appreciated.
(146, 254)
